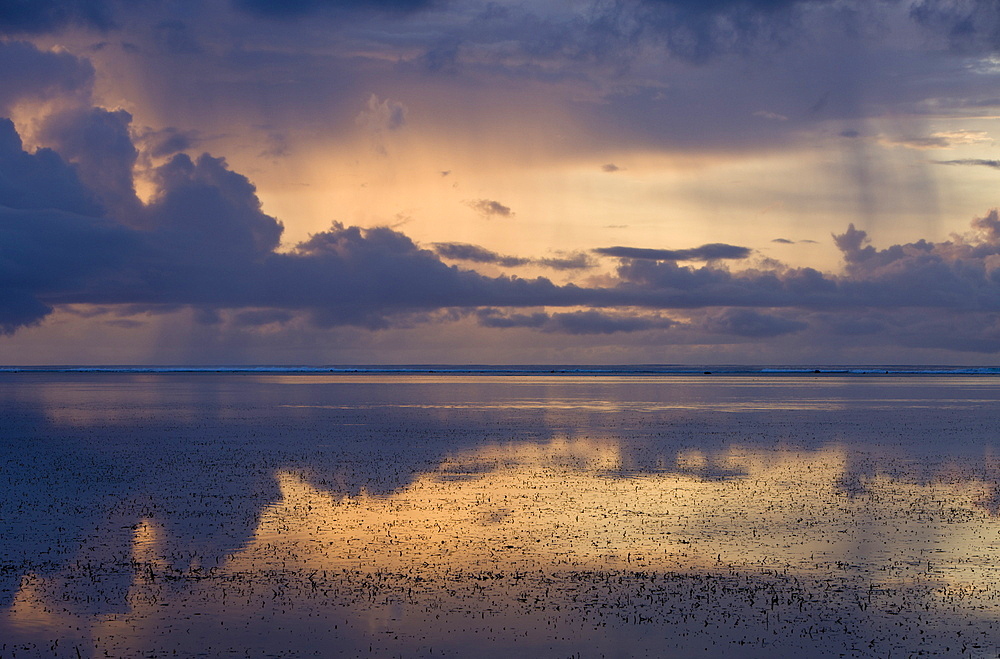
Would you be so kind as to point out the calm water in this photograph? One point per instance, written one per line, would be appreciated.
(268, 514)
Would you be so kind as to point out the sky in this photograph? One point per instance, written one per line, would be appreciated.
(455, 181)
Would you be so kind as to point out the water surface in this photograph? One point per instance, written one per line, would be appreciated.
(429, 514)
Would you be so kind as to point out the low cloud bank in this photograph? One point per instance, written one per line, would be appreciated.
(73, 231)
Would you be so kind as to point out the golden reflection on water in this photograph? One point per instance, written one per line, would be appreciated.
(565, 504)
(556, 509)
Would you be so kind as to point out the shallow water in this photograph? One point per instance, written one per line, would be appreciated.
(265, 514)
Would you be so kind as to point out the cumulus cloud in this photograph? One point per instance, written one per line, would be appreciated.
(29, 73)
(40, 180)
(99, 145)
(204, 241)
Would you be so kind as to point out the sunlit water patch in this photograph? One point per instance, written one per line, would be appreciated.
(239, 515)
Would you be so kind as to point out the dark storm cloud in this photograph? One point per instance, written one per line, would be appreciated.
(705, 252)
(29, 73)
(39, 16)
(42, 180)
(98, 143)
(203, 240)
(52, 239)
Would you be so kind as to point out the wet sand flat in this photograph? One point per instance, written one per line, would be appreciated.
(454, 515)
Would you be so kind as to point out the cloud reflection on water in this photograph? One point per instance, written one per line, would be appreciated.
(409, 518)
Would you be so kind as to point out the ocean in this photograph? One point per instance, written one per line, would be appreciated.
(545, 511)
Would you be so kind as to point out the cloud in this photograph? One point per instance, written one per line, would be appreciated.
(940, 140)
(288, 9)
(751, 323)
(98, 143)
(600, 322)
(974, 162)
(710, 251)
(40, 16)
(783, 241)
(578, 261)
(74, 233)
(176, 38)
(30, 73)
(55, 242)
(258, 317)
(496, 318)
(610, 167)
(203, 240)
(381, 118)
(477, 254)
(383, 115)
(168, 141)
(701, 31)
(575, 322)
(42, 180)
(489, 208)
(970, 26)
